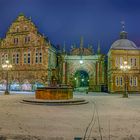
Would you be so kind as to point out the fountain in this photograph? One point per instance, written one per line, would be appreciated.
(55, 94)
(55, 91)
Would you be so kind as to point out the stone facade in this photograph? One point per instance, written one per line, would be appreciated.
(31, 54)
(120, 51)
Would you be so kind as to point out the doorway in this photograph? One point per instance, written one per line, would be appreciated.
(81, 80)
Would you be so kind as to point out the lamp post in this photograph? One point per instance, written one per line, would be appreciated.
(125, 67)
(6, 67)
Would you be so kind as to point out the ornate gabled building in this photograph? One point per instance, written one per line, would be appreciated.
(124, 52)
(31, 54)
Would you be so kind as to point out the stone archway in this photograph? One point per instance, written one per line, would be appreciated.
(81, 79)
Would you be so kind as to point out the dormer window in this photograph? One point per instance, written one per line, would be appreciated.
(27, 39)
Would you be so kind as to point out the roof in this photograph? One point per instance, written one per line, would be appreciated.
(124, 44)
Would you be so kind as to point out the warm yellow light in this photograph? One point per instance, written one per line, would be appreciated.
(6, 65)
(125, 62)
(7, 61)
(121, 67)
(129, 67)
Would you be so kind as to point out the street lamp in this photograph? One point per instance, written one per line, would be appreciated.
(6, 67)
(125, 67)
(81, 61)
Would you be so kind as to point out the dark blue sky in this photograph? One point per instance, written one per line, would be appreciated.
(67, 20)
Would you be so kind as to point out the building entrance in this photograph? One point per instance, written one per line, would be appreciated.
(81, 80)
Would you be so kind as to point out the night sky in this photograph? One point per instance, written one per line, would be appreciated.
(68, 20)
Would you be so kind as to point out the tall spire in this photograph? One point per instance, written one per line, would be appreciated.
(81, 45)
(123, 33)
(123, 25)
(99, 48)
(64, 47)
(81, 42)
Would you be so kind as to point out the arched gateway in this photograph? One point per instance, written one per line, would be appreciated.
(82, 61)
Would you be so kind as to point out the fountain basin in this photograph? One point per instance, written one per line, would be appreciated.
(54, 93)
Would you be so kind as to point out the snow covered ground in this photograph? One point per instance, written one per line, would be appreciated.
(108, 116)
